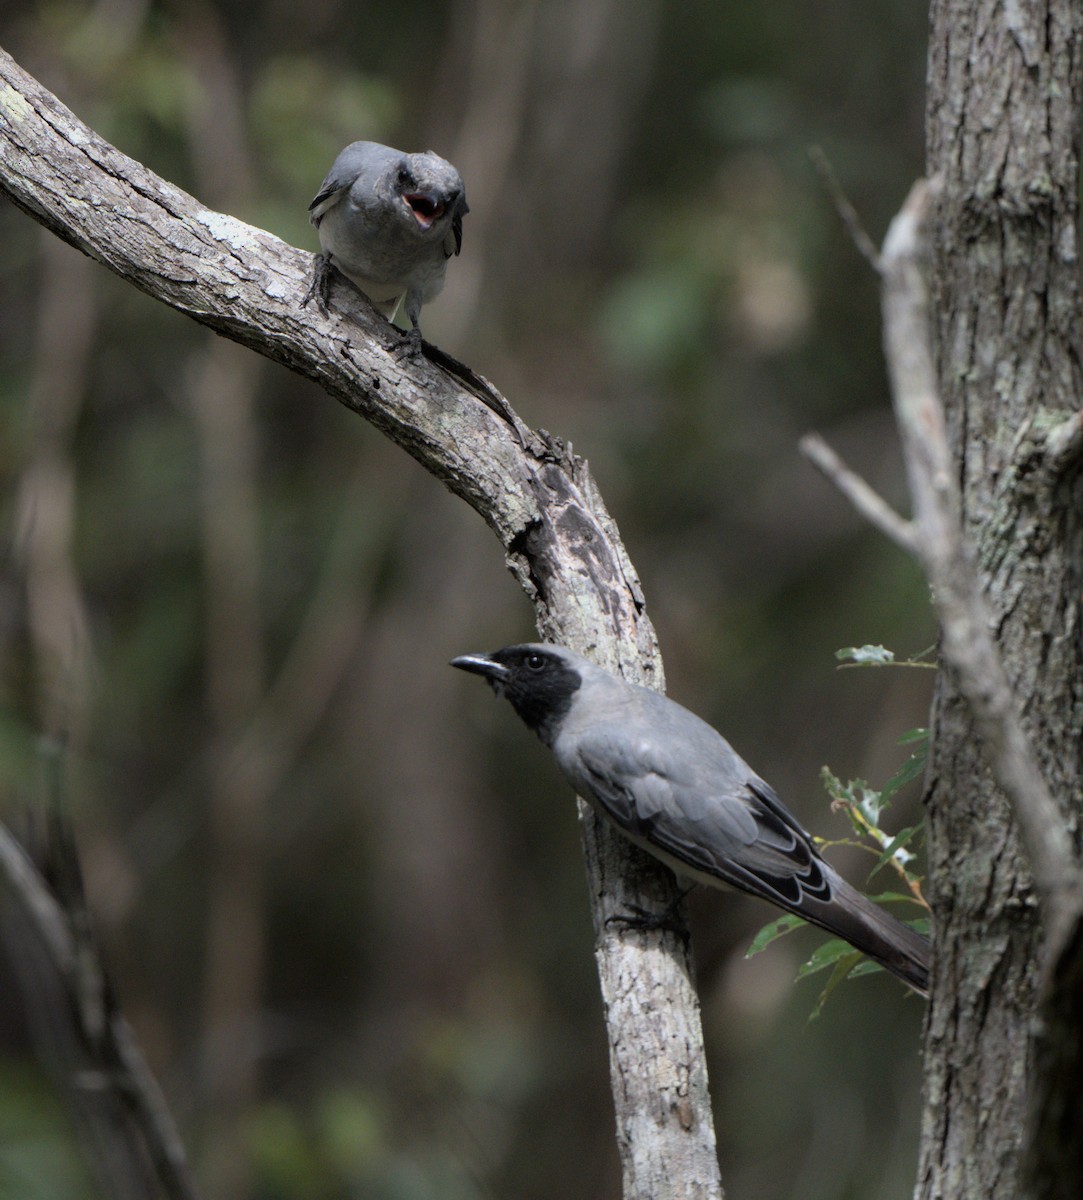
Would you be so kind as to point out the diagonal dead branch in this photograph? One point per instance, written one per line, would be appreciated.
(540, 501)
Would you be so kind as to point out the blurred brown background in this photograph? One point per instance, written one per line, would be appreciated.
(339, 887)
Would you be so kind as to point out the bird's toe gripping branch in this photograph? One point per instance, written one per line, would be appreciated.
(407, 344)
(319, 289)
(669, 919)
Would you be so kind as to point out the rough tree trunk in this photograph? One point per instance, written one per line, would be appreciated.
(1002, 128)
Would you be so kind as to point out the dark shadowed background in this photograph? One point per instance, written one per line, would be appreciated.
(338, 885)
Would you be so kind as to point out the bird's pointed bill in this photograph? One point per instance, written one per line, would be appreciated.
(482, 664)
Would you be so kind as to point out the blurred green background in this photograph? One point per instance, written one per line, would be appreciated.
(338, 885)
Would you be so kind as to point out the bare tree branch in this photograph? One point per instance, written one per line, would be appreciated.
(540, 501)
(1054, 1162)
(868, 502)
(936, 537)
(100, 1037)
(965, 622)
(866, 247)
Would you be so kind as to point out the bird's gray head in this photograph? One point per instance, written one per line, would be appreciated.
(539, 679)
(429, 192)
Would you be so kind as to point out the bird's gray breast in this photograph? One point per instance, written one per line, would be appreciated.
(372, 244)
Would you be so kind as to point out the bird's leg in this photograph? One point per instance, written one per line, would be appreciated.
(320, 287)
(667, 919)
(407, 344)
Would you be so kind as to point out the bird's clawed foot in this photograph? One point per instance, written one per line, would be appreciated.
(320, 287)
(407, 345)
(669, 919)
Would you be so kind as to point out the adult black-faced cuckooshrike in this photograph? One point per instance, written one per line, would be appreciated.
(677, 788)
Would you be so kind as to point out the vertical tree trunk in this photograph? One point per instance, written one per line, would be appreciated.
(1002, 129)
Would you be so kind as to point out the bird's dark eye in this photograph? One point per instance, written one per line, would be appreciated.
(535, 662)
(404, 175)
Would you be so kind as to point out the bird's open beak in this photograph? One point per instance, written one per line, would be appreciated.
(425, 207)
(481, 664)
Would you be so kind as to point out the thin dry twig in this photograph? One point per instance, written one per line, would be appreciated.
(865, 499)
(847, 213)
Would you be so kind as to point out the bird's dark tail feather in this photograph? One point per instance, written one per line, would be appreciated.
(874, 932)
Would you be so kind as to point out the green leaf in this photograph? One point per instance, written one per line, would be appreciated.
(771, 931)
(879, 656)
(871, 802)
(855, 796)
(910, 769)
(865, 656)
(894, 897)
(920, 734)
(896, 843)
(833, 785)
(826, 955)
(843, 967)
(867, 967)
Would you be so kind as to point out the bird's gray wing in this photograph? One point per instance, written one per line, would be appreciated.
(679, 789)
(716, 817)
(358, 158)
(453, 243)
(327, 197)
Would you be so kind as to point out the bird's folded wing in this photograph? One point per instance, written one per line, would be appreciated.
(453, 242)
(327, 197)
(732, 828)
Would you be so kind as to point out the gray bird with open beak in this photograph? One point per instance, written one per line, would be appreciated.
(389, 222)
(677, 788)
